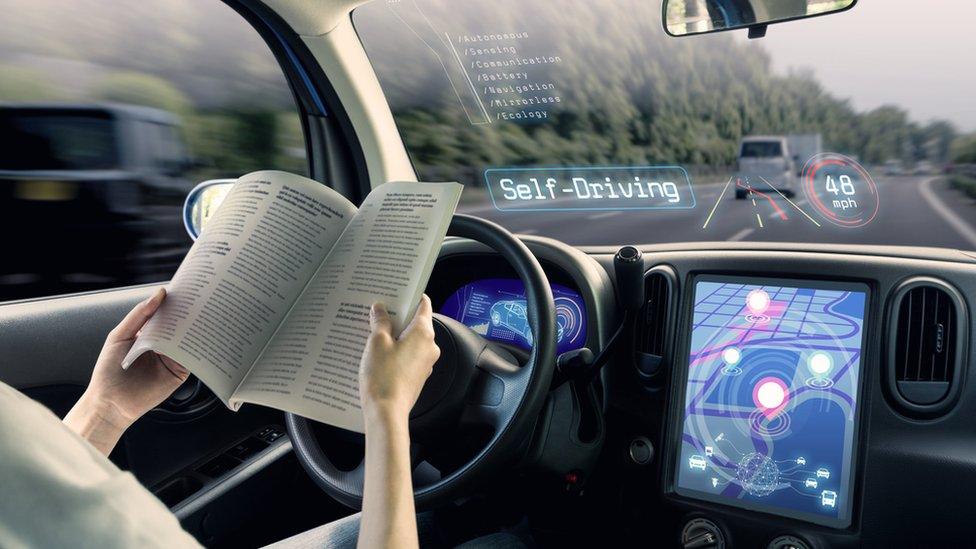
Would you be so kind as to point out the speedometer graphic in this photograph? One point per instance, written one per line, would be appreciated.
(569, 319)
(841, 190)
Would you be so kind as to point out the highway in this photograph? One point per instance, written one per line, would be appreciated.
(914, 211)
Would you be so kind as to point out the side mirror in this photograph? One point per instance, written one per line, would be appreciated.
(685, 17)
(202, 202)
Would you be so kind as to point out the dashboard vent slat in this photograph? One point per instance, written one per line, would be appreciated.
(652, 331)
(653, 318)
(925, 345)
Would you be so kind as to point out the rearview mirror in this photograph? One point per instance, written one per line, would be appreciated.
(202, 202)
(684, 17)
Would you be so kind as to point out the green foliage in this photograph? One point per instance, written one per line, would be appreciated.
(964, 184)
(142, 89)
(963, 150)
(630, 95)
(25, 84)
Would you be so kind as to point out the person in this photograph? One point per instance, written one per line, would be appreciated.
(60, 489)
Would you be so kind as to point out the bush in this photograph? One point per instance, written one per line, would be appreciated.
(965, 184)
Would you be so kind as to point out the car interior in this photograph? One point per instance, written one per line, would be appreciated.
(636, 389)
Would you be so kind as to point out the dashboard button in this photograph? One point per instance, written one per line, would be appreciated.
(788, 542)
(641, 451)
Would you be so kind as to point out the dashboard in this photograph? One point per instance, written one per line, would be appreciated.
(815, 394)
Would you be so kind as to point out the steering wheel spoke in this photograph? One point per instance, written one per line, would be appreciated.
(492, 396)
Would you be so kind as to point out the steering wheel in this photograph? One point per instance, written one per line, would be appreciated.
(474, 385)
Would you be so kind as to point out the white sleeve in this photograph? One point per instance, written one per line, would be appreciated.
(58, 491)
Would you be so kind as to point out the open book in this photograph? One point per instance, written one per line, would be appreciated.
(271, 305)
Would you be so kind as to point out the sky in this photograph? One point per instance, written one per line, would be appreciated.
(918, 54)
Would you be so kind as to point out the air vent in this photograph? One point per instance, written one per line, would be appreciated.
(926, 346)
(652, 328)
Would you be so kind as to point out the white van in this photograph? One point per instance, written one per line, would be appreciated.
(764, 161)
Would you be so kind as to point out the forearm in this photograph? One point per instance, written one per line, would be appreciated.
(97, 423)
(389, 519)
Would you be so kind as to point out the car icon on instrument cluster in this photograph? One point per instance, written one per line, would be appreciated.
(823, 473)
(810, 483)
(801, 460)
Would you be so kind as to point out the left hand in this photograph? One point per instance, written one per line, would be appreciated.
(116, 398)
(148, 381)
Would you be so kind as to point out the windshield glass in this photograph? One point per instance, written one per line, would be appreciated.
(585, 122)
(761, 149)
(39, 141)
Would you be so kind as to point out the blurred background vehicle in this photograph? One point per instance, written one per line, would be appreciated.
(893, 166)
(76, 175)
(110, 112)
(774, 161)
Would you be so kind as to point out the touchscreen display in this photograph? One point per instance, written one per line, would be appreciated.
(770, 402)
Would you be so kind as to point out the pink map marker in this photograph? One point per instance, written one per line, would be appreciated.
(771, 395)
(758, 302)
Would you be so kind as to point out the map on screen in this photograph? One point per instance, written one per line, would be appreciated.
(770, 400)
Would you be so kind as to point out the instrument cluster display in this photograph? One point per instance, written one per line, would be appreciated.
(496, 309)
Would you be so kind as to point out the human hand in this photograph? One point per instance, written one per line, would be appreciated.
(115, 398)
(393, 371)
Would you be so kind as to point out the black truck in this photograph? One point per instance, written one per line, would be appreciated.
(90, 197)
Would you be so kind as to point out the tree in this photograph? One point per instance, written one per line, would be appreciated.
(964, 149)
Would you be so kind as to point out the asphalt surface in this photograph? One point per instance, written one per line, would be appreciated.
(914, 211)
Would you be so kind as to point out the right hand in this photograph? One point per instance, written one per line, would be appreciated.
(393, 370)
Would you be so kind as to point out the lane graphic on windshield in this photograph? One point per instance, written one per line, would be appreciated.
(768, 203)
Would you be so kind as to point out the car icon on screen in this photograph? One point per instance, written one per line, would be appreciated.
(823, 473)
(697, 462)
(810, 483)
(513, 315)
(828, 498)
(801, 460)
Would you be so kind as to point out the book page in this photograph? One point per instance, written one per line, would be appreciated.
(311, 366)
(243, 274)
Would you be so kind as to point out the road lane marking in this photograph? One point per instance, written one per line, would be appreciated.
(715, 207)
(964, 229)
(602, 215)
(759, 219)
(528, 231)
(741, 234)
(812, 220)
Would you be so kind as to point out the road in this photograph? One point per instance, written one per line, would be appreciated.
(914, 211)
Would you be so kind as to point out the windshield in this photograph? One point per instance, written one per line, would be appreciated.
(585, 122)
(53, 141)
(761, 149)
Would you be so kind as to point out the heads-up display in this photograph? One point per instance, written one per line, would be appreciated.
(770, 403)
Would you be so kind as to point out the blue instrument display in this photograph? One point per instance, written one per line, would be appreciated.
(496, 309)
